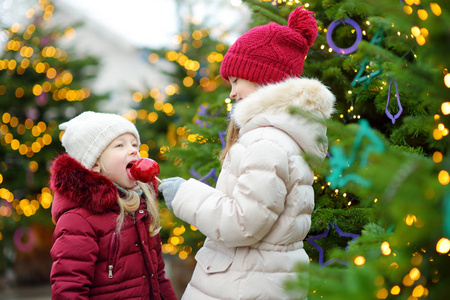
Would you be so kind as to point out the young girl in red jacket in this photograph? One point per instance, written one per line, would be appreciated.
(106, 243)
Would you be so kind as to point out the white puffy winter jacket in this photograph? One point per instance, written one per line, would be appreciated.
(257, 217)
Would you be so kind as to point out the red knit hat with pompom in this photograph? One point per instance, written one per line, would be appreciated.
(271, 53)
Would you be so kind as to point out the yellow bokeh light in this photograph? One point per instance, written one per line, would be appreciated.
(382, 293)
(197, 34)
(395, 290)
(170, 89)
(424, 32)
(444, 177)
(70, 32)
(385, 248)
(437, 134)
(447, 80)
(19, 92)
(158, 105)
(437, 157)
(422, 13)
(152, 117)
(6, 117)
(154, 93)
(137, 97)
(51, 73)
(177, 39)
(410, 219)
(445, 107)
(183, 255)
(37, 90)
(407, 9)
(407, 281)
(418, 291)
(420, 40)
(153, 58)
(29, 13)
(15, 27)
(189, 81)
(40, 68)
(47, 138)
(67, 78)
(36, 147)
(168, 108)
(436, 9)
(174, 240)
(171, 56)
(414, 274)
(15, 144)
(443, 246)
(415, 31)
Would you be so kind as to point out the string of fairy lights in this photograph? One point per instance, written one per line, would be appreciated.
(10, 126)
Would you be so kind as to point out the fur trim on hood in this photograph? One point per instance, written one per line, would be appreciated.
(307, 94)
(270, 106)
(76, 186)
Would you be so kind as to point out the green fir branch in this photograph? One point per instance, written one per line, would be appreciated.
(265, 10)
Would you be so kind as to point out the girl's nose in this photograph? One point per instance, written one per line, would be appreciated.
(233, 94)
(133, 150)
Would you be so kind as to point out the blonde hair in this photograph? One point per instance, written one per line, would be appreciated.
(232, 136)
(131, 201)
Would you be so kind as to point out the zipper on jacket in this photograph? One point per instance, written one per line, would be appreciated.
(112, 254)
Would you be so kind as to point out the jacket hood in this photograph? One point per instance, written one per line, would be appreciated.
(75, 186)
(270, 105)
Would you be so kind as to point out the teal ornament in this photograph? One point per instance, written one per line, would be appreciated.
(339, 161)
(359, 78)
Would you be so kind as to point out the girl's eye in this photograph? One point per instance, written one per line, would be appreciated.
(119, 145)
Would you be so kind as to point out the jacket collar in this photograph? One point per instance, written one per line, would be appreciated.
(76, 186)
(309, 95)
(270, 106)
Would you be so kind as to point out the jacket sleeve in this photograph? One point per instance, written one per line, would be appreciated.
(246, 216)
(165, 286)
(74, 254)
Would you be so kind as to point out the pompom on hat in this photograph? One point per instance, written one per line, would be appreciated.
(88, 134)
(271, 53)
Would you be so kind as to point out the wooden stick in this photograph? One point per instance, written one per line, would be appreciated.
(159, 180)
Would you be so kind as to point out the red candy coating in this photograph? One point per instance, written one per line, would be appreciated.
(144, 170)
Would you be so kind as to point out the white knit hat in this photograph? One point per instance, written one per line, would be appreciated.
(88, 134)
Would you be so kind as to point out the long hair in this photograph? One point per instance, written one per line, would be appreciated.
(131, 202)
(232, 136)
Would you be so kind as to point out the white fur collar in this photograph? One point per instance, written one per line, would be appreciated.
(307, 94)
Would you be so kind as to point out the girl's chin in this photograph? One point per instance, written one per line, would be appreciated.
(128, 185)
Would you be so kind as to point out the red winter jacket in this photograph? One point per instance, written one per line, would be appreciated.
(91, 261)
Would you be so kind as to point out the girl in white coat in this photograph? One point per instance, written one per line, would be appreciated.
(257, 217)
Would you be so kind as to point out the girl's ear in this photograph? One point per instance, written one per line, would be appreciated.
(96, 168)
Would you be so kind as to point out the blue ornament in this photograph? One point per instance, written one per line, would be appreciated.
(312, 240)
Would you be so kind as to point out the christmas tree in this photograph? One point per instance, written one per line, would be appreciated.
(385, 61)
(381, 223)
(41, 86)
